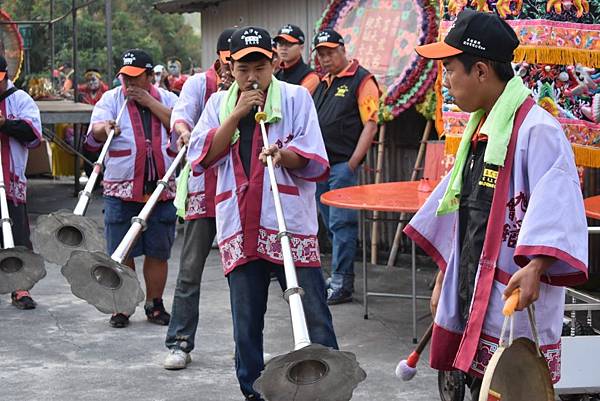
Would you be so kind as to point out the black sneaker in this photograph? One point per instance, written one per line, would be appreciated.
(22, 300)
(119, 321)
(156, 313)
(340, 296)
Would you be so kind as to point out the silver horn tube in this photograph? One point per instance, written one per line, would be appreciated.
(104, 281)
(58, 234)
(311, 371)
(85, 195)
(139, 222)
(20, 267)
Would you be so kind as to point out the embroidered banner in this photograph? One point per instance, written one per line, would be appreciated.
(559, 60)
(382, 35)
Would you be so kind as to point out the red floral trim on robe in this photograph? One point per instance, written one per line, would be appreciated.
(488, 345)
(196, 207)
(17, 191)
(305, 250)
(124, 189)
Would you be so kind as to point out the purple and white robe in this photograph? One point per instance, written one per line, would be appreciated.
(537, 209)
(245, 213)
(18, 106)
(126, 158)
(196, 91)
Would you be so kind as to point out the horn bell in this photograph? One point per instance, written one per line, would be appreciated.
(108, 285)
(311, 373)
(20, 269)
(58, 234)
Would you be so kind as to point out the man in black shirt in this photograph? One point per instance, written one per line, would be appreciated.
(292, 68)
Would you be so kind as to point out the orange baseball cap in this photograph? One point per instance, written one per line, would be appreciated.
(481, 34)
(328, 38)
(135, 62)
(290, 33)
(249, 40)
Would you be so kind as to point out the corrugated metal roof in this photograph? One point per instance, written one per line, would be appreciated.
(185, 6)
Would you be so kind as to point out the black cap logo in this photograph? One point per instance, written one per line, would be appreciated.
(323, 37)
(251, 37)
(128, 58)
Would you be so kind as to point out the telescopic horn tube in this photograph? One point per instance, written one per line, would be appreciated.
(139, 222)
(86, 194)
(299, 327)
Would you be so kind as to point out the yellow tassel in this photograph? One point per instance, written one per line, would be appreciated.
(586, 156)
(557, 55)
(451, 144)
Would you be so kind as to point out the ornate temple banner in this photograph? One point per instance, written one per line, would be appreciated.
(559, 59)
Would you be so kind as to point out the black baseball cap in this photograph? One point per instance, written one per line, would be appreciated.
(135, 62)
(290, 33)
(481, 34)
(249, 40)
(328, 38)
(223, 44)
(3, 68)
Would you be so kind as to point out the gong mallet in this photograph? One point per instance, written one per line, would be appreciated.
(407, 368)
(311, 371)
(20, 267)
(58, 234)
(104, 281)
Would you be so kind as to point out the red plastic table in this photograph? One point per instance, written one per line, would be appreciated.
(592, 207)
(398, 197)
(592, 210)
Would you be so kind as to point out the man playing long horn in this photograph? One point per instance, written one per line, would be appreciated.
(136, 159)
(20, 130)
(200, 228)
(228, 138)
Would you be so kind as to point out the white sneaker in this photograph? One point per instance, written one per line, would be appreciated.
(177, 359)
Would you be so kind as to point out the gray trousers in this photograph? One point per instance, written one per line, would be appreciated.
(197, 241)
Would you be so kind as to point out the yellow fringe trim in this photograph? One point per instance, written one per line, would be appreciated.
(585, 156)
(557, 55)
(451, 144)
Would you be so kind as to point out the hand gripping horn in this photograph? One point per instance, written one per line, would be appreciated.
(20, 267)
(312, 371)
(58, 234)
(104, 281)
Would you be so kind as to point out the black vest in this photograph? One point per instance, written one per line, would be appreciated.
(339, 116)
(478, 185)
(294, 74)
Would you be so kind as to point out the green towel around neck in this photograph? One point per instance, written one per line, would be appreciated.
(182, 190)
(272, 104)
(498, 127)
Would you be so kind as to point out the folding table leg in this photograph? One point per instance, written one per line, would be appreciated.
(414, 291)
(363, 219)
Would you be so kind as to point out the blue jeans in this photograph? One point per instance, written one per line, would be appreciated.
(248, 291)
(197, 242)
(342, 227)
(156, 241)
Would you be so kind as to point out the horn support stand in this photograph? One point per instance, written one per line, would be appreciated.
(58, 234)
(311, 371)
(104, 281)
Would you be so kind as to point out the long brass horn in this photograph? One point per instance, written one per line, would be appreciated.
(312, 371)
(104, 281)
(58, 234)
(20, 267)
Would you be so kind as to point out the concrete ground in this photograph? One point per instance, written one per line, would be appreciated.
(65, 350)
